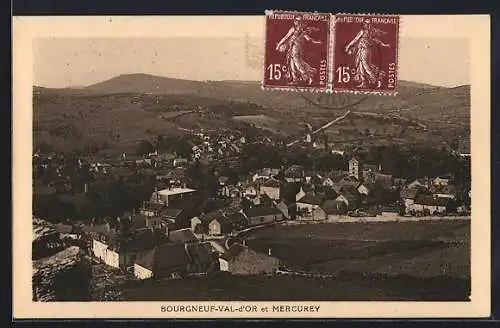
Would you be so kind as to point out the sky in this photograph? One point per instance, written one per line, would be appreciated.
(63, 62)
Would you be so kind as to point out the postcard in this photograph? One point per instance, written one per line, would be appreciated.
(284, 165)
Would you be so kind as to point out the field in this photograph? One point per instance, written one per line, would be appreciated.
(366, 261)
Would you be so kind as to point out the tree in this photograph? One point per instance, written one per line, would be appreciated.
(145, 147)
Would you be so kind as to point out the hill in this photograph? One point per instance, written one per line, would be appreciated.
(139, 106)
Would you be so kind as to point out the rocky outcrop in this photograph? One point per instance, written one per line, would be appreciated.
(61, 272)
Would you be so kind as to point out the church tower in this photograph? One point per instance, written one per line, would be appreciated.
(356, 168)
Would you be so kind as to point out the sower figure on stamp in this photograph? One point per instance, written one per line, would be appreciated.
(297, 68)
(363, 44)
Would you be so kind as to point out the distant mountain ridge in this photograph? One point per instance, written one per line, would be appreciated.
(147, 83)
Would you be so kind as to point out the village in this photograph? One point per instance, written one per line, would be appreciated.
(169, 235)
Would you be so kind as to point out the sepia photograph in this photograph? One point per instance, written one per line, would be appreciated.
(163, 170)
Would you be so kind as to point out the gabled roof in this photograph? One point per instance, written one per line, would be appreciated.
(369, 185)
(267, 171)
(200, 253)
(207, 217)
(333, 206)
(223, 220)
(145, 239)
(347, 195)
(171, 212)
(336, 175)
(164, 257)
(182, 236)
(351, 189)
(271, 183)
(233, 251)
(153, 207)
(312, 198)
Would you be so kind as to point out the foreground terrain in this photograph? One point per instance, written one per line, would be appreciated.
(362, 261)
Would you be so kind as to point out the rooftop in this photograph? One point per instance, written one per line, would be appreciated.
(174, 191)
(182, 236)
(261, 211)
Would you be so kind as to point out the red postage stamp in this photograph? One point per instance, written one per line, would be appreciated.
(297, 51)
(365, 56)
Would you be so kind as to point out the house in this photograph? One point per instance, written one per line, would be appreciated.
(252, 191)
(151, 209)
(242, 260)
(196, 225)
(199, 224)
(141, 221)
(448, 191)
(309, 206)
(172, 196)
(350, 200)
(441, 181)
(121, 253)
(408, 195)
(289, 209)
(333, 177)
(171, 260)
(313, 177)
(180, 162)
(348, 181)
(428, 204)
(230, 192)
(334, 207)
(223, 181)
(418, 183)
(300, 194)
(389, 212)
(271, 188)
(172, 214)
(294, 173)
(262, 215)
(365, 188)
(220, 226)
(265, 173)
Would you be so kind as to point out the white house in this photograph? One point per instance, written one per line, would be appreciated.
(102, 251)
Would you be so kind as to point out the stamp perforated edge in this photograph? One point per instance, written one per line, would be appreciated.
(328, 88)
(398, 38)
